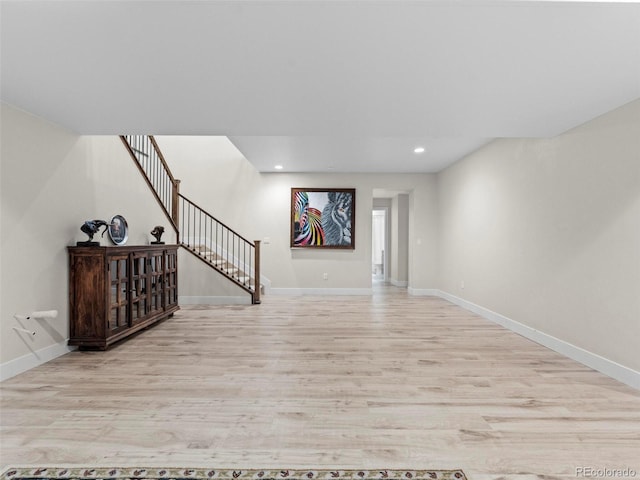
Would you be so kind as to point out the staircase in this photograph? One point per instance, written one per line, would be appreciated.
(199, 232)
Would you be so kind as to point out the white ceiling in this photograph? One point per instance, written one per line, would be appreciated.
(323, 85)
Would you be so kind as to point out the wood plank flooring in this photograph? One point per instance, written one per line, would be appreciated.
(388, 381)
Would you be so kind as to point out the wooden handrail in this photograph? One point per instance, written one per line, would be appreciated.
(146, 178)
(175, 211)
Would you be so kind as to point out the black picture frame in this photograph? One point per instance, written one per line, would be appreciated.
(323, 218)
(118, 230)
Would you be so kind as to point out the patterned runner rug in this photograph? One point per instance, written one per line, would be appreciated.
(75, 473)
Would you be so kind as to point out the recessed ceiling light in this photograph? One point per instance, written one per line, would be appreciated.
(418, 150)
(278, 167)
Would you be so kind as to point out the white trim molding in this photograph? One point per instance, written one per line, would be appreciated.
(423, 292)
(34, 359)
(398, 283)
(212, 300)
(321, 291)
(592, 360)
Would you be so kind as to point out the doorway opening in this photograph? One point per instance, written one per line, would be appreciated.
(379, 245)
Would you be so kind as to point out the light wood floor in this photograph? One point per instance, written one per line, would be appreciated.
(386, 382)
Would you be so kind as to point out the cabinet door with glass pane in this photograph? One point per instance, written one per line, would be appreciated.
(156, 280)
(118, 318)
(171, 278)
(139, 286)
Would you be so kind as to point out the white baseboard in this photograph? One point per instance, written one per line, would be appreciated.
(430, 292)
(33, 359)
(321, 291)
(398, 283)
(608, 367)
(195, 300)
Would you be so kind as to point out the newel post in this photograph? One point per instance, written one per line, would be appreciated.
(256, 295)
(175, 212)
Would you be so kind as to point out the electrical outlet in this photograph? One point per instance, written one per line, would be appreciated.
(325, 276)
(462, 284)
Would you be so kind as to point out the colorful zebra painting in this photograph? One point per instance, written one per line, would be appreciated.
(307, 228)
(322, 217)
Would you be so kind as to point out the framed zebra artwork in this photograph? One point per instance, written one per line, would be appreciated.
(323, 218)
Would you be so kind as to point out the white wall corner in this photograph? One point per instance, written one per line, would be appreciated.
(212, 300)
(321, 291)
(603, 365)
(34, 359)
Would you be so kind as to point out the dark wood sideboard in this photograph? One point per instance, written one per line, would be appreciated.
(117, 291)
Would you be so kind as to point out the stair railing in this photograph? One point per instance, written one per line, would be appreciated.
(197, 230)
(220, 246)
(149, 159)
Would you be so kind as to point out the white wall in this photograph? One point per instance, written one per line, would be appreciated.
(423, 241)
(257, 205)
(199, 284)
(399, 240)
(53, 180)
(547, 233)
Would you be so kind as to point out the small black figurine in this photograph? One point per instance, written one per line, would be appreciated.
(157, 233)
(91, 227)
